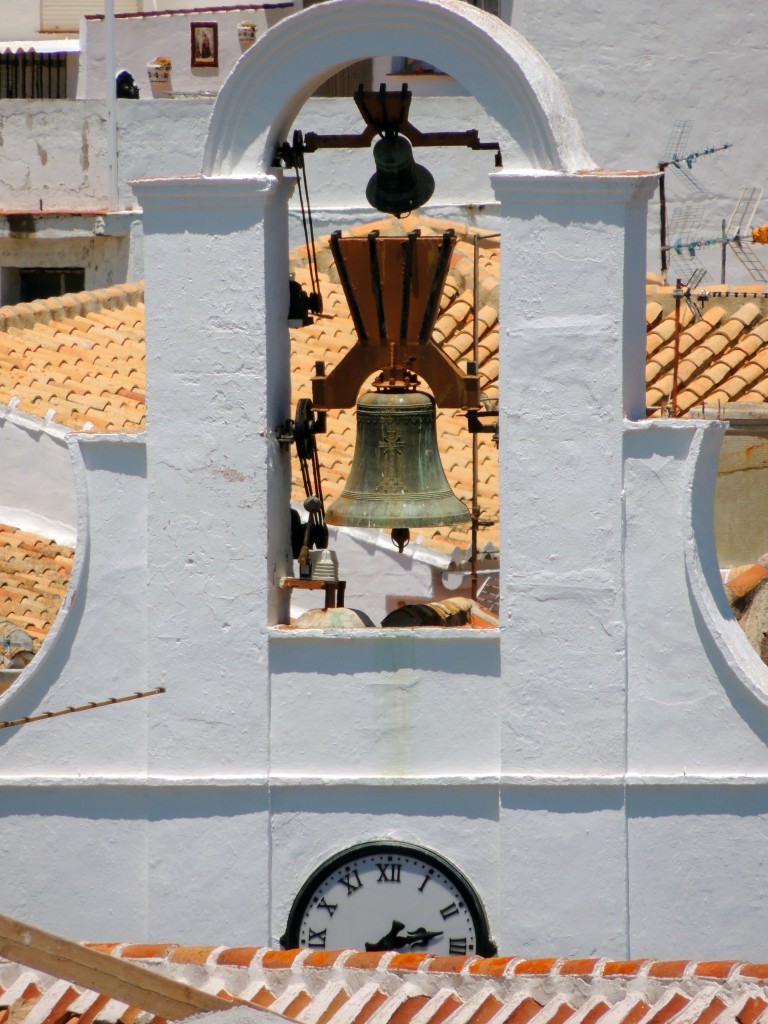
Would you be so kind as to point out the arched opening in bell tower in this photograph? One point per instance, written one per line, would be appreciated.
(394, 346)
(533, 130)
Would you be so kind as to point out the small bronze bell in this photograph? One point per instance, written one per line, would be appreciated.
(399, 184)
(397, 480)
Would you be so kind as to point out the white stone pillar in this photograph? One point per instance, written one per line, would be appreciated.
(572, 344)
(218, 383)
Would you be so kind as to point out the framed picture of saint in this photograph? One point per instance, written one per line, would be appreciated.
(205, 44)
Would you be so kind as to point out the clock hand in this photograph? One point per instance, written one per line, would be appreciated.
(393, 940)
(421, 937)
(389, 941)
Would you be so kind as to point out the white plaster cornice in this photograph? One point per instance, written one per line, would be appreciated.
(283, 634)
(198, 191)
(547, 187)
(631, 780)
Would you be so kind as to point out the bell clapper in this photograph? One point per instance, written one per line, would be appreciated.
(401, 538)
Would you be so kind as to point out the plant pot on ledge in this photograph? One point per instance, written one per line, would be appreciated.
(159, 70)
(246, 33)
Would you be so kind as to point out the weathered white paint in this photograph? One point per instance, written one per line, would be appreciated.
(38, 480)
(36, 168)
(105, 259)
(139, 40)
(546, 759)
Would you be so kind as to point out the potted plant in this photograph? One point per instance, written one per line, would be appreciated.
(246, 33)
(159, 69)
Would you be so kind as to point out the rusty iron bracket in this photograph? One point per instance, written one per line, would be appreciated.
(385, 114)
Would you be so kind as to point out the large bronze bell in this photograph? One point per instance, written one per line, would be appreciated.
(397, 480)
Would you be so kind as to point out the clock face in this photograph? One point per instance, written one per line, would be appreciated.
(389, 896)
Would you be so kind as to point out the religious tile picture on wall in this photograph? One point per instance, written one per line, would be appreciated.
(205, 44)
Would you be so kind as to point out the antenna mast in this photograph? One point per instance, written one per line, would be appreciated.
(677, 157)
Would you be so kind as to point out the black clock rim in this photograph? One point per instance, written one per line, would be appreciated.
(485, 944)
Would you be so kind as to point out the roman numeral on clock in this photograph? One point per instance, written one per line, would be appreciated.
(316, 939)
(388, 872)
(457, 947)
(330, 907)
(352, 882)
(450, 911)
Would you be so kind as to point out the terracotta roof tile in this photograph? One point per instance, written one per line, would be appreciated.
(624, 967)
(525, 1010)
(493, 967)
(557, 1014)
(191, 954)
(364, 961)
(676, 1002)
(535, 966)
(34, 575)
(262, 997)
(595, 1012)
(753, 1008)
(339, 997)
(356, 988)
(372, 1002)
(76, 355)
(635, 1011)
(294, 1006)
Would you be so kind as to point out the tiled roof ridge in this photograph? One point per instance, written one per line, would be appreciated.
(24, 315)
(348, 987)
(595, 968)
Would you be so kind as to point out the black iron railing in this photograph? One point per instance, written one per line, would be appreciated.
(27, 75)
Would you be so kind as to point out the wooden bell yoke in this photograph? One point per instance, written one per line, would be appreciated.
(393, 286)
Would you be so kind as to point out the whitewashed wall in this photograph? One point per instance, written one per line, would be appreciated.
(39, 483)
(598, 761)
(19, 21)
(632, 71)
(139, 40)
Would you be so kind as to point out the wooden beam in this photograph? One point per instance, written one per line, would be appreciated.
(131, 983)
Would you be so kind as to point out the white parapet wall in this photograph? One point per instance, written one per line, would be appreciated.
(38, 492)
(141, 38)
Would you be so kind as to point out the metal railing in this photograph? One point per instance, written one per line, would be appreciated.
(27, 75)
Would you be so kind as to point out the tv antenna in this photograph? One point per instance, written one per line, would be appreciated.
(685, 240)
(734, 235)
(678, 156)
(683, 292)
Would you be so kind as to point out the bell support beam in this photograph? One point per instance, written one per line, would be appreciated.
(452, 388)
(387, 113)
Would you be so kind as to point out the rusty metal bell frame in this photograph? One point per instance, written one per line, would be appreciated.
(397, 480)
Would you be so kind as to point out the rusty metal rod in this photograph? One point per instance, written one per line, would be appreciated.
(678, 293)
(81, 707)
(475, 453)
